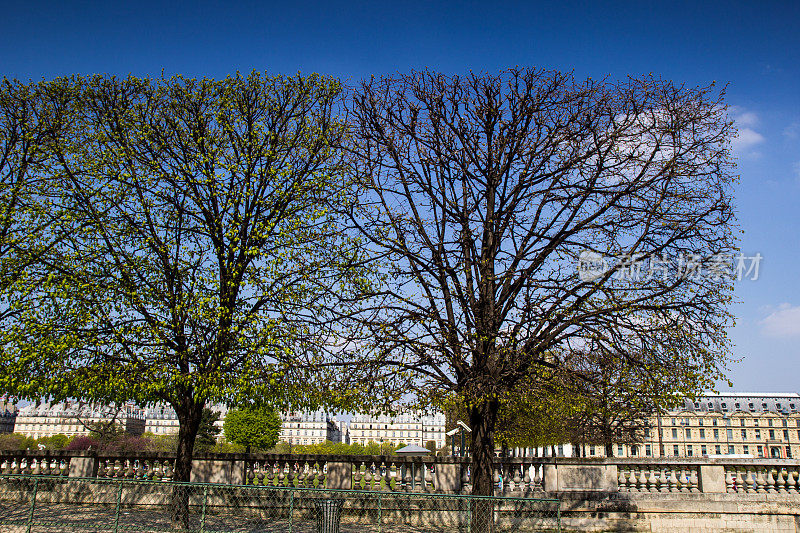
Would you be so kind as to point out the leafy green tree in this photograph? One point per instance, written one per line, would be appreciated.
(208, 431)
(256, 427)
(199, 262)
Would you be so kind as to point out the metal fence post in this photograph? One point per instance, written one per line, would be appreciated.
(116, 507)
(558, 511)
(291, 509)
(203, 512)
(33, 506)
(380, 511)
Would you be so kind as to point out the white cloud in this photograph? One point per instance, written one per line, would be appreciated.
(747, 119)
(783, 322)
(746, 139)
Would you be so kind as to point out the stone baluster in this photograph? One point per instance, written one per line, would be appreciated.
(417, 470)
(526, 479)
(407, 479)
(319, 476)
(632, 479)
(311, 480)
(791, 481)
(386, 475)
(780, 481)
(517, 478)
(750, 480)
(357, 474)
(694, 485)
(466, 485)
(622, 479)
(663, 479)
(167, 471)
(730, 483)
(291, 473)
(47, 466)
(641, 481)
(538, 479)
(282, 467)
(770, 481)
(133, 468)
(673, 480)
(368, 468)
(761, 482)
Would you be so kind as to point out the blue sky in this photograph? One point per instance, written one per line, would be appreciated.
(753, 47)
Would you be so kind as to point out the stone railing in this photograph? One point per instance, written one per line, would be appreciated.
(513, 476)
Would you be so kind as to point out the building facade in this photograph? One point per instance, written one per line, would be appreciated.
(309, 428)
(404, 428)
(72, 418)
(8, 415)
(741, 424)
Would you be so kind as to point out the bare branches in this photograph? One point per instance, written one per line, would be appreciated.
(484, 192)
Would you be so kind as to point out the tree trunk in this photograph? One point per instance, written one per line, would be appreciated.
(190, 414)
(482, 420)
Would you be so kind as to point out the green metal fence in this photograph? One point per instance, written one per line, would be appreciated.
(56, 504)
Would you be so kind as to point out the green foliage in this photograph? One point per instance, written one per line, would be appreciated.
(256, 427)
(193, 249)
(208, 432)
(431, 445)
(16, 442)
(339, 448)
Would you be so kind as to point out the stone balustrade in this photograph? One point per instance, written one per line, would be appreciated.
(520, 477)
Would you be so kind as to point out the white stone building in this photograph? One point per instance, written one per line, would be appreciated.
(403, 428)
(74, 418)
(162, 420)
(309, 428)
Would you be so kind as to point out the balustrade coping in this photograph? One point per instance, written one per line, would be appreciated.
(265, 457)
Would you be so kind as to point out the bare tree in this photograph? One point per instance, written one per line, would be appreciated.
(481, 195)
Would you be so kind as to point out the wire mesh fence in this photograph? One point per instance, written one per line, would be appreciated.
(44, 504)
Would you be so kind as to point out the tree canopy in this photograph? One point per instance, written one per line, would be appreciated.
(513, 215)
(254, 427)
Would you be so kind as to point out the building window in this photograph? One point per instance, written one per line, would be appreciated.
(674, 433)
(703, 451)
(648, 451)
(769, 422)
(788, 452)
(688, 433)
(760, 451)
(727, 421)
(675, 451)
(689, 452)
(741, 422)
(786, 423)
(702, 433)
(744, 434)
(620, 451)
(730, 434)
(715, 422)
(730, 449)
(591, 450)
(700, 422)
(786, 435)
(746, 449)
(771, 434)
(716, 434)
(758, 434)
(755, 422)
(717, 450)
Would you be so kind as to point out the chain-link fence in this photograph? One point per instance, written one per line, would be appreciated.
(57, 504)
